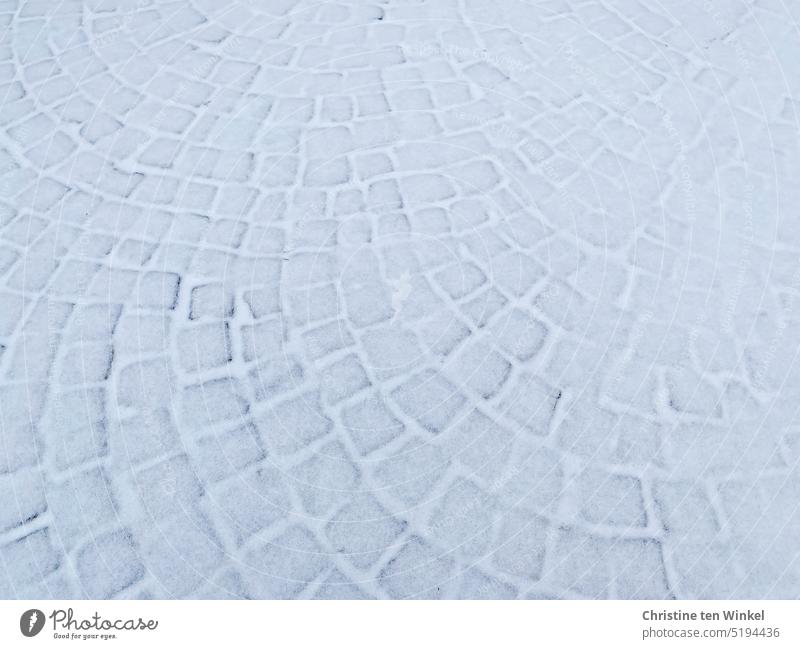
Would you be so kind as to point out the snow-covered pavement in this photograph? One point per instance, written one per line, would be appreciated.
(460, 298)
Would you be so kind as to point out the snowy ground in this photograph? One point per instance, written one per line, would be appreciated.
(474, 298)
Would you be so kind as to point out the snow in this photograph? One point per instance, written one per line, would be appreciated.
(78, 502)
(23, 498)
(281, 568)
(362, 530)
(417, 571)
(456, 299)
(108, 563)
